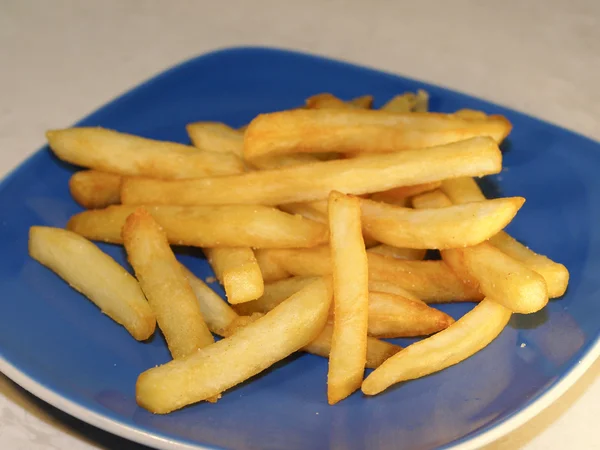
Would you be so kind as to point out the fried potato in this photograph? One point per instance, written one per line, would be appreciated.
(451, 227)
(501, 278)
(422, 101)
(305, 210)
(217, 314)
(230, 361)
(270, 269)
(464, 190)
(430, 281)
(393, 316)
(402, 103)
(126, 154)
(238, 271)
(165, 285)
(350, 271)
(216, 137)
(399, 196)
(472, 157)
(377, 351)
(281, 161)
(391, 288)
(470, 114)
(361, 131)
(471, 333)
(362, 102)
(399, 253)
(330, 101)
(432, 200)
(213, 226)
(93, 189)
(90, 271)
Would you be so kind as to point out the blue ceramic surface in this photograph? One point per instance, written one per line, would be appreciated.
(59, 341)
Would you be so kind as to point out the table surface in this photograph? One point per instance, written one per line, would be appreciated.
(62, 59)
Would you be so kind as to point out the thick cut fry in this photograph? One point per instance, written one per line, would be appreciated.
(393, 316)
(216, 137)
(270, 269)
(217, 314)
(274, 294)
(213, 226)
(464, 190)
(501, 278)
(451, 227)
(413, 254)
(93, 189)
(398, 196)
(96, 275)
(377, 351)
(472, 157)
(350, 270)
(230, 361)
(430, 281)
(166, 287)
(471, 333)
(125, 154)
(556, 275)
(361, 131)
(238, 271)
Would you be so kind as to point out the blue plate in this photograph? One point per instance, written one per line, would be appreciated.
(57, 345)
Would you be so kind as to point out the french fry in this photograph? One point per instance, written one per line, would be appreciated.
(430, 281)
(362, 102)
(496, 275)
(470, 114)
(451, 227)
(96, 275)
(216, 137)
(464, 190)
(414, 254)
(93, 189)
(281, 161)
(125, 154)
(230, 361)
(393, 316)
(324, 101)
(274, 294)
(501, 278)
(238, 271)
(306, 210)
(402, 103)
(271, 270)
(165, 285)
(217, 314)
(398, 196)
(361, 131)
(377, 351)
(422, 101)
(471, 333)
(472, 157)
(432, 200)
(350, 270)
(392, 288)
(212, 226)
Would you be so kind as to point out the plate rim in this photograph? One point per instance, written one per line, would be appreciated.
(472, 441)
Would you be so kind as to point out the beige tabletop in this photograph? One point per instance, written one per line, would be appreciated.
(60, 60)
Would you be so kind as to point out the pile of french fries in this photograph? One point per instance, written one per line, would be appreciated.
(316, 221)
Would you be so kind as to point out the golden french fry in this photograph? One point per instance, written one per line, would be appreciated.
(230, 361)
(208, 226)
(327, 101)
(471, 333)
(305, 209)
(362, 102)
(414, 254)
(217, 314)
(271, 270)
(464, 190)
(377, 351)
(422, 101)
(274, 294)
(165, 285)
(432, 200)
(472, 157)
(392, 316)
(430, 281)
(350, 271)
(125, 154)
(281, 161)
(361, 131)
(399, 196)
(402, 103)
(555, 274)
(392, 288)
(216, 137)
(89, 270)
(470, 114)
(93, 189)
(238, 271)
(501, 278)
(451, 227)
